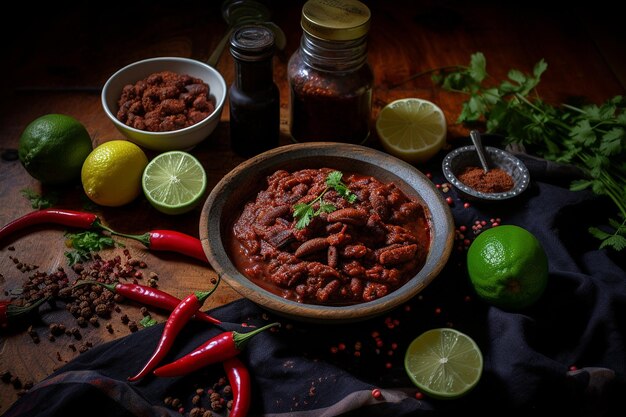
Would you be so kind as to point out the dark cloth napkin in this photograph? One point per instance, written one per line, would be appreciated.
(564, 355)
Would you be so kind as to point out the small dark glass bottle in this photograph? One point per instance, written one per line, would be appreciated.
(254, 97)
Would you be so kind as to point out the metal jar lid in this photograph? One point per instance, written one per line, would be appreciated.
(335, 20)
(252, 43)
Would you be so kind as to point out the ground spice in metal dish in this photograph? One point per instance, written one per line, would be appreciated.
(496, 180)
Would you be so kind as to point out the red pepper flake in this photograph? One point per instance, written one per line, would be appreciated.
(449, 201)
(379, 342)
(467, 298)
(375, 334)
(437, 185)
(429, 175)
(438, 310)
(466, 205)
(341, 346)
(334, 349)
(377, 394)
(388, 365)
(463, 228)
(394, 345)
(573, 368)
(357, 354)
(419, 395)
(407, 308)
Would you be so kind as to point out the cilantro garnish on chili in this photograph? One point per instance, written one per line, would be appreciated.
(304, 213)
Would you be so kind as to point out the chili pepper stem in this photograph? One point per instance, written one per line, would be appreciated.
(13, 310)
(241, 339)
(143, 238)
(203, 295)
(82, 282)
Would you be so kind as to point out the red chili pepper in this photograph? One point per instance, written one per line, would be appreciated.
(10, 312)
(160, 240)
(171, 241)
(217, 349)
(148, 296)
(183, 312)
(69, 218)
(239, 379)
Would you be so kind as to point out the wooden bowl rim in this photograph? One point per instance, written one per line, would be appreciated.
(438, 214)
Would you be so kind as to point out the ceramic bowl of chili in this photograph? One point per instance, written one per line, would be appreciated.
(166, 106)
(506, 178)
(242, 185)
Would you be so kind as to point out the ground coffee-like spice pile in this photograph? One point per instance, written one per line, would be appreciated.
(496, 180)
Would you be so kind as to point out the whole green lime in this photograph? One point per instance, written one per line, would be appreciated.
(53, 148)
(508, 267)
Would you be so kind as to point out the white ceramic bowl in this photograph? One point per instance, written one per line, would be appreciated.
(244, 182)
(181, 139)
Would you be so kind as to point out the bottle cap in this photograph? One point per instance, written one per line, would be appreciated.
(252, 43)
(335, 20)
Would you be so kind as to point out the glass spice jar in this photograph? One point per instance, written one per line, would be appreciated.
(329, 76)
(254, 99)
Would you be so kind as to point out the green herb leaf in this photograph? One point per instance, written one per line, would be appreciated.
(38, 201)
(304, 213)
(85, 243)
(148, 321)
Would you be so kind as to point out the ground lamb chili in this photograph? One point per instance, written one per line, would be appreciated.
(165, 101)
(359, 252)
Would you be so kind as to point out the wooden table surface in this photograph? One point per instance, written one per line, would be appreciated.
(61, 58)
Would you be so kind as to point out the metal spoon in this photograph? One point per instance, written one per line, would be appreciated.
(478, 144)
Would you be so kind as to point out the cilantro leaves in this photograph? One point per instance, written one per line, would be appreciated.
(304, 213)
(84, 243)
(591, 137)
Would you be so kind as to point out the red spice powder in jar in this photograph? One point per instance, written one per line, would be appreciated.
(329, 77)
(496, 180)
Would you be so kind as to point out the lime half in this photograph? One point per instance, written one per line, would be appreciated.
(444, 363)
(174, 182)
(412, 129)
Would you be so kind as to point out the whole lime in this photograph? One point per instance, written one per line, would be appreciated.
(53, 148)
(508, 267)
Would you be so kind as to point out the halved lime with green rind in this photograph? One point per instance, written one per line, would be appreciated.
(174, 182)
(444, 363)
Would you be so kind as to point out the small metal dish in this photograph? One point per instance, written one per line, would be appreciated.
(466, 156)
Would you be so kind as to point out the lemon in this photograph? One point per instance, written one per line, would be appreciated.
(174, 182)
(412, 129)
(508, 267)
(111, 174)
(53, 147)
(444, 363)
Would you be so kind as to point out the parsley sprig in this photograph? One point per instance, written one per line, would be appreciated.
(304, 213)
(591, 137)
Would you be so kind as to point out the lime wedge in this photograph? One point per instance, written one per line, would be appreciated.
(444, 363)
(412, 129)
(174, 182)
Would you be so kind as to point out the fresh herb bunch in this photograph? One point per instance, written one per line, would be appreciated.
(84, 244)
(591, 137)
(304, 213)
